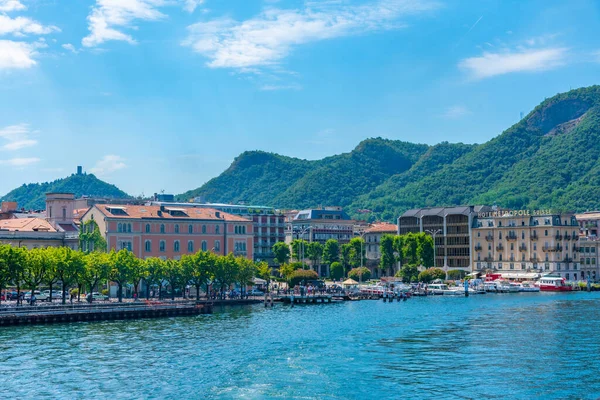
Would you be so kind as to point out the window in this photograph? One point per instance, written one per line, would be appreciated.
(203, 228)
(190, 229)
(162, 228)
(217, 229)
(50, 212)
(500, 257)
(204, 245)
(129, 246)
(128, 227)
(190, 246)
(162, 246)
(176, 246)
(64, 210)
(217, 245)
(236, 230)
(499, 235)
(546, 232)
(148, 246)
(147, 228)
(523, 234)
(176, 228)
(120, 227)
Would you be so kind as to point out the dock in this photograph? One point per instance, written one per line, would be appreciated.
(100, 312)
(293, 299)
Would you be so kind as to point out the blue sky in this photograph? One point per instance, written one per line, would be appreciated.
(162, 94)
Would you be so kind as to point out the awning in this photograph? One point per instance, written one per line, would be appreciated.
(520, 275)
(258, 281)
(349, 282)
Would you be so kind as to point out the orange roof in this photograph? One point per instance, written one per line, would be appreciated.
(382, 227)
(152, 212)
(26, 225)
(79, 212)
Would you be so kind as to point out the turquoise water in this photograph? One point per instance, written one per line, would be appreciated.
(490, 346)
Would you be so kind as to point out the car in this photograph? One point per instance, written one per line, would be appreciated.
(38, 296)
(99, 296)
(255, 292)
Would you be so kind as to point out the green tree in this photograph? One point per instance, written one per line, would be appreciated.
(282, 252)
(174, 275)
(302, 276)
(137, 272)
(69, 264)
(456, 274)
(425, 276)
(51, 277)
(90, 238)
(155, 271)
(15, 259)
(437, 273)
(97, 268)
(360, 274)
(357, 252)
(425, 249)
(399, 248)
(336, 270)
(410, 249)
(286, 271)
(345, 257)
(121, 265)
(408, 273)
(331, 252)
(4, 270)
(200, 267)
(299, 247)
(246, 271)
(314, 251)
(264, 272)
(225, 272)
(386, 249)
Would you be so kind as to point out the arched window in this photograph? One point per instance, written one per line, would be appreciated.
(162, 228)
(235, 230)
(128, 227)
(190, 229)
(217, 245)
(190, 246)
(147, 228)
(162, 246)
(217, 229)
(203, 228)
(120, 227)
(176, 246)
(148, 246)
(204, 245)
(176, 228)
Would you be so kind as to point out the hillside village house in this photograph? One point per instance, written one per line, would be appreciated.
(170, 232)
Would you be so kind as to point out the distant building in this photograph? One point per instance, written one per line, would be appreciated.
(372, 237)
(269, 224)
(589, 223)
(589, 264)
(170, 231)
(526, 242)
(320, 225)
(451, 227)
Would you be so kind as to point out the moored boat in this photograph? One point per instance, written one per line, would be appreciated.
(528, 287)
(553, 284)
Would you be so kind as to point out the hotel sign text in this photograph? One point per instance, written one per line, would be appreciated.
(513, 213)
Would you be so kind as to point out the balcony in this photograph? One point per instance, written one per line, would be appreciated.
(522, 248)
(575, 248)
(499, 247)
(568, 259)
(567, 236)
(575, 236)
(558, 236)
(489, 238)
(488, 259)
(534, 236)
(478, 247)
(511, 237)
(534, 260)
(558, 247)
(548, 248)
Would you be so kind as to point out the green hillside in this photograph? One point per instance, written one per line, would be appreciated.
(548, 159)
(33, 195)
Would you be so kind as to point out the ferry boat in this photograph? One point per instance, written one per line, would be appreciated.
(553, 284)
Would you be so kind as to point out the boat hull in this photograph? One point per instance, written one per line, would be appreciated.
(550, 288)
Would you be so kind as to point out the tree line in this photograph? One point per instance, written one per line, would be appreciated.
(63, 268)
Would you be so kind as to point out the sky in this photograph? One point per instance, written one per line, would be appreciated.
(162, 95)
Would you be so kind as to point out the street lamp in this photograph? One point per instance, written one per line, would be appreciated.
(362, 240)
(433, 233)
(301, 249)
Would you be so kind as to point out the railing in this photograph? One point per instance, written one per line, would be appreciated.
(575, 236)
(499, 247)
(558, 237)
(522, 248)
(548, 248)
(511, 237)
(478, 247)
(489, 238)
(558, 247)
(534, 260)
(534, 237)
(567, 236)
(488, 259)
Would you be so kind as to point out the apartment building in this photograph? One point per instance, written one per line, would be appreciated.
(372, 237)
(320, 225)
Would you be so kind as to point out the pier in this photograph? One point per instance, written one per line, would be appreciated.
(100, 312)
(316, 299)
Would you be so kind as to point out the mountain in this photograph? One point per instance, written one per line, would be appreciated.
(33, 195)
(547, 160)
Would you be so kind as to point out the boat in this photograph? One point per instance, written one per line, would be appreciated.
(553, 284)
(443, 289)
(528, 287)
(490, 287)
(514, 287)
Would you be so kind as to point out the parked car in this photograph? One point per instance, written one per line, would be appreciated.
(38, 296)
(255, 292)
(99, 296)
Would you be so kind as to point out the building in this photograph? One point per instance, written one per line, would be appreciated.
(170, 231)
(589, 263)
(526, 241)
(451, 230)
(372, 237)
(588, 224)
(320, 225)
(269, 224)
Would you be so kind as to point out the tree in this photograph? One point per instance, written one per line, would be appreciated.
(69, 265)
(425, 276)
(408, 273)
(121, 265)
(425, 249)
(15, 261)
(437, 273)
(432, 274)
(225, 272)
(4, 270)
(345, 251)
(302, 275)
(51, 277)
(155, 269)
(331, 252)
(36, 265)
(97, 268)
(286, 271)
(360, 274)
(399, 248)
(314, 251)
(174, 275)
(386, 249)
(336, 270)
(137, 272)
(456, 274)
(246, 271)
(410, 249)
(282, 252)
(357, 252)
(201, 267)
(264, 272)
(299, 249)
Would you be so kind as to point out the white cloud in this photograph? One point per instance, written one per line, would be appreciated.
(271, 88)
(270, 37)
(456, 111)
(11, 5)
(523, 60)
(70, 47)
(191, 5)
(20, 162)
(17, 137)
(16, 55)
(108, 15)
(108, 164)
(21, 26)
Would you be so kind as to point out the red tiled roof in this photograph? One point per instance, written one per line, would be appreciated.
(152, 212)
(26, 225)
(382, 227)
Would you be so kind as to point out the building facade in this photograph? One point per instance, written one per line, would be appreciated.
(269, 225)
(526, 241)
(372, 237)
(169, 232)
(588, 258)
(320, 225)
(451, 230)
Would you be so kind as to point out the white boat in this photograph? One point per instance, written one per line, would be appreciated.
(528, 287)
(490, 287)
(514, 287)
(443, 289)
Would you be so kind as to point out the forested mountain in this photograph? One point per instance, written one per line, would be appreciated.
(549, 159)
(33, 195)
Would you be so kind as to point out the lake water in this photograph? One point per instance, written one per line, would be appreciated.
(488, 346)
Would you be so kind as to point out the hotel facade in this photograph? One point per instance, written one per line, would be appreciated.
(526, 241)
(170, 232)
